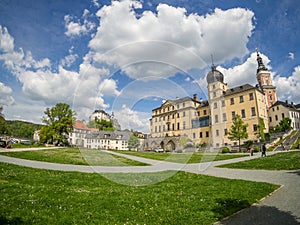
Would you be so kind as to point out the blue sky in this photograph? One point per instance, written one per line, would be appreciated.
(127, 56)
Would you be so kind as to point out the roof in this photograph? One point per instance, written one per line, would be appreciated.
(176, 101)
(110, 135)
(239, 89)
(286, 104)
(79, 125)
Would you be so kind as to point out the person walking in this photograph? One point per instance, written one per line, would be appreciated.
(263, 150)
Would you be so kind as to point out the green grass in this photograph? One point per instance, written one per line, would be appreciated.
(195, 157)
(279, 161)
(35, 196)
(76, 157)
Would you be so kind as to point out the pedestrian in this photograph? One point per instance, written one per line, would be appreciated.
(251, 151)
(263, 150)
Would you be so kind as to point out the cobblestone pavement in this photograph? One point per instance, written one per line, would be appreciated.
(280, 208)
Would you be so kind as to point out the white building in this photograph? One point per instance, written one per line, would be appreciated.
(78, 136)
(115, 140)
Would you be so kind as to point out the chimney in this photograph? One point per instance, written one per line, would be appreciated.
(195, 97)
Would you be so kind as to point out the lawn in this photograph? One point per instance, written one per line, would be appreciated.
(35, 196)
(194, 157)
(279, 161)
(75, 156)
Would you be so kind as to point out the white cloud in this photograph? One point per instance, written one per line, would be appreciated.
(158, 44)
(80, 26)
(69, 59)
(130, 119)
(108, 87)
(291, 55)
(6, 41)
(6, 95)
(288, 87)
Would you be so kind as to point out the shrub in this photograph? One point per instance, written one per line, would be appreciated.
(256, 149)
(225, 150)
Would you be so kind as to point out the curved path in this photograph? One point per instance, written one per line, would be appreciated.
(282, 207)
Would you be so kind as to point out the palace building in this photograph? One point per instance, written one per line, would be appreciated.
(183, 120)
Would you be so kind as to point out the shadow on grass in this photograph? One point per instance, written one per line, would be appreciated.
(261, 215)
(15, 221)
(226, 207)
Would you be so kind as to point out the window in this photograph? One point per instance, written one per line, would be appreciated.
(225, 131)
(241, 98)
(233, 114)
(253, 112)
(223, 103)
(194, 135)
(214, 94)
(178, 126)
(276, 117)
(183, 105)
(173, 126)
(224, 117)
(251, 97)
(282, 115)
(214, 86)
(243, 113)
(254, 127)
(216, 119)
(184, 125)
(232, 101)
(217, 133)
(200, 135)
(270, 119)
(183, 114)
(204, 112)
(178, 115)
(206, 134)
(215, 105)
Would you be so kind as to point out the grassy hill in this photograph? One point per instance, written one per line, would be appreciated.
(24, 129)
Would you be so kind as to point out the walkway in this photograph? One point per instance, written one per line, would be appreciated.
(282, 207)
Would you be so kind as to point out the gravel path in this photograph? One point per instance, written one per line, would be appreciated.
(280, 208)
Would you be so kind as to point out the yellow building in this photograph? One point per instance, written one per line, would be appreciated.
(208, 121)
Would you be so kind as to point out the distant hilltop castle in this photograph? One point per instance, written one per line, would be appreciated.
(102, 115)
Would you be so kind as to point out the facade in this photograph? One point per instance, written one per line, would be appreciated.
(179, 118)
(109, 140)
(207, 122)
(281, 110)
(78, 136)
(225, 103)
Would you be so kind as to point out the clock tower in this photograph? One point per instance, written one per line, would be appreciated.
(264, 79)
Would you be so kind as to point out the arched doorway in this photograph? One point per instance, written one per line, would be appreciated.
(170, 146)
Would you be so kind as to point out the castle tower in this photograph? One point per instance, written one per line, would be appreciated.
(216, 89)
(264, 79)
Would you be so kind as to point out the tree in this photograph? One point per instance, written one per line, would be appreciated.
(133, 142)
(106, 125)
(59, 121)
(238, 130)
(285, 124)
(2, 122)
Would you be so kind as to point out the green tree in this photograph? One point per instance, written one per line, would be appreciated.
(285, 124)
(2, 122)
(59, 121)
(133, 142)
(106, 125)
(238, 130)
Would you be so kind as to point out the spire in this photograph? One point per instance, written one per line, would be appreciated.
(260, 63)
(212, 63)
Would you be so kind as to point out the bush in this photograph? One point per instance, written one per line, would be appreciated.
(225, 150)
(256, 149)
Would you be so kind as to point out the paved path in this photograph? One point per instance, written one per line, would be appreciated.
(282, 207)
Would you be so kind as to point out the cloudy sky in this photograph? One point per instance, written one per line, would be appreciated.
(128, 56)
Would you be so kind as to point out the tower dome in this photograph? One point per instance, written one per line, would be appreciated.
(214, 75)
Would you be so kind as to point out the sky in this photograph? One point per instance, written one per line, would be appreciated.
(127, 57)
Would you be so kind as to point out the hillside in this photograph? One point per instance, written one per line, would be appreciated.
(24, 129)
